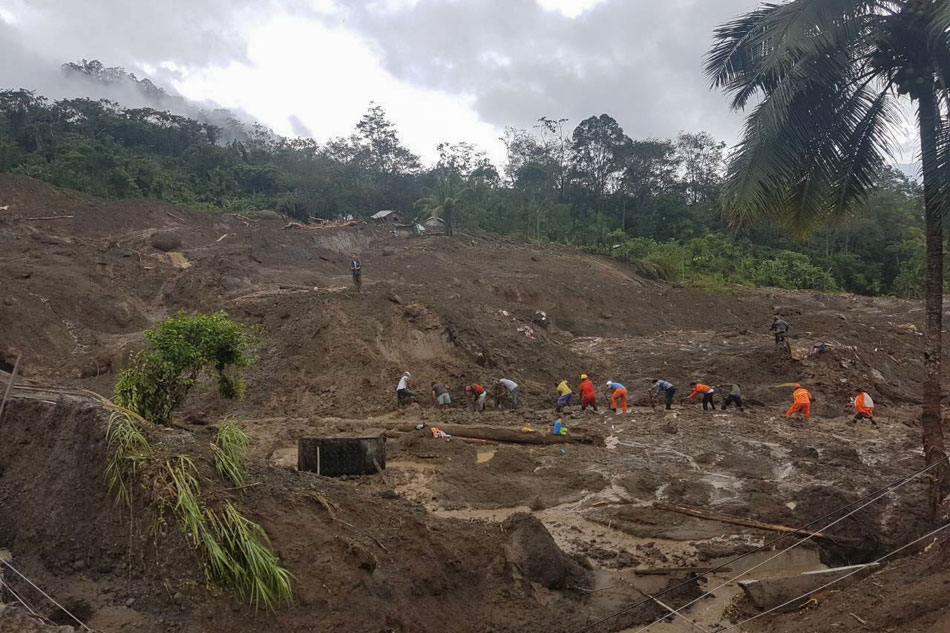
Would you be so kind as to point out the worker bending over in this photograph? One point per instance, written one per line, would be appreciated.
(479, 395)
(618, 396)
(588, 393)
(801, 401)
(864, 406)
(664, 387)
(565, 397)
(505, 387)
(707, 393)
(440, 394)
(402, 389)
(734, 397)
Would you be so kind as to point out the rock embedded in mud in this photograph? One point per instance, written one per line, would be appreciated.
(165, 241)
(532, 549)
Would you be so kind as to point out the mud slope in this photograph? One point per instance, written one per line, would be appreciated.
(79, 290)
(449, 539)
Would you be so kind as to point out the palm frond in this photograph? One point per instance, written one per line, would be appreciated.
(755, 51)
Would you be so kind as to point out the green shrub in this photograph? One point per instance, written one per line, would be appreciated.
(183, 349)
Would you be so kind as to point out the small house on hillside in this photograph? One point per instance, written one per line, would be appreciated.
(386, 217)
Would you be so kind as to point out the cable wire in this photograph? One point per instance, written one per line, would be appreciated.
(837, 580)
(889, 487)
(792, 546)
(45, 595)
(8, 587)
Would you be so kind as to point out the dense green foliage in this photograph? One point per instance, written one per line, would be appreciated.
(183, 348)
(591, 186)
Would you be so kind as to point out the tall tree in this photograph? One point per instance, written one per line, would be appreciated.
(378, 144)
(826, 75)
(702, 162)
(598, 144)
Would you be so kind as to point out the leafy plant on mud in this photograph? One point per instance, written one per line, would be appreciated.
(130, 451)
(183, 348)
(230, 449)
(235, 551)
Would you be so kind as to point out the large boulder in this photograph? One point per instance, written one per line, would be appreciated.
(532, 549)
(165, 241)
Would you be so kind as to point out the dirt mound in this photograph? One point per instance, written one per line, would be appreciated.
(362, 559)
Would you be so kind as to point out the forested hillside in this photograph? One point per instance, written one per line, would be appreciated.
(589, 185)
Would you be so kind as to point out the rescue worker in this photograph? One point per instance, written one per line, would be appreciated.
(864, 406)
(565, 397)
(664, 387)
(707, 393)
(402, 389)
(479, 395)
(588, 393)
(440, 394)
(356, 267)
(506, 387)
(801, 401)
(618, 396)
(780, 329)
(734, 397)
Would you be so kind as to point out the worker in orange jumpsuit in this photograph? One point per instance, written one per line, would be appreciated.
(588, 393)
(801, 401)
(707, 393)
(618, 396)
(864, 406)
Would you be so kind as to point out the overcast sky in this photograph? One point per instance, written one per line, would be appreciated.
(444, 70)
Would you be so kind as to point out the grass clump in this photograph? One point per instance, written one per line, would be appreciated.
(235, 551)
(229, 449)
(183, 349)
(130, 451)
(255, 574)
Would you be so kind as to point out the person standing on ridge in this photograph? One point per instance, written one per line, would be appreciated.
(864, 406)
(587, 393)
(707, 393)
(801, 401)
(565, 397)
(618, 396)
(664, 387)
(356, 267)
(779, 329)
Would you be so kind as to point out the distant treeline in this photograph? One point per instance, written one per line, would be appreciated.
(590, 185)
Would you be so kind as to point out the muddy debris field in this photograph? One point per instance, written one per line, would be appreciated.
(502, 527)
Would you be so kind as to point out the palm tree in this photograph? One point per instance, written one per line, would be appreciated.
(443, 200)
(824, 80)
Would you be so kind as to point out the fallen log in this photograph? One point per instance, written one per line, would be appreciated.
(772, 527)
(517, 436)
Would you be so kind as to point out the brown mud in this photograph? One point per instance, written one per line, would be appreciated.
(461, 535)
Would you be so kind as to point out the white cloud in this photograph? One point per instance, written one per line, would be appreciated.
(298, 70)
(569, 8)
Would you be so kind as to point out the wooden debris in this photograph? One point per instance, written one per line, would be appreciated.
(773, 527)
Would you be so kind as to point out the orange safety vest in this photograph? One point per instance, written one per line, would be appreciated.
(863, 403)
(699, 388)
(801, 396)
